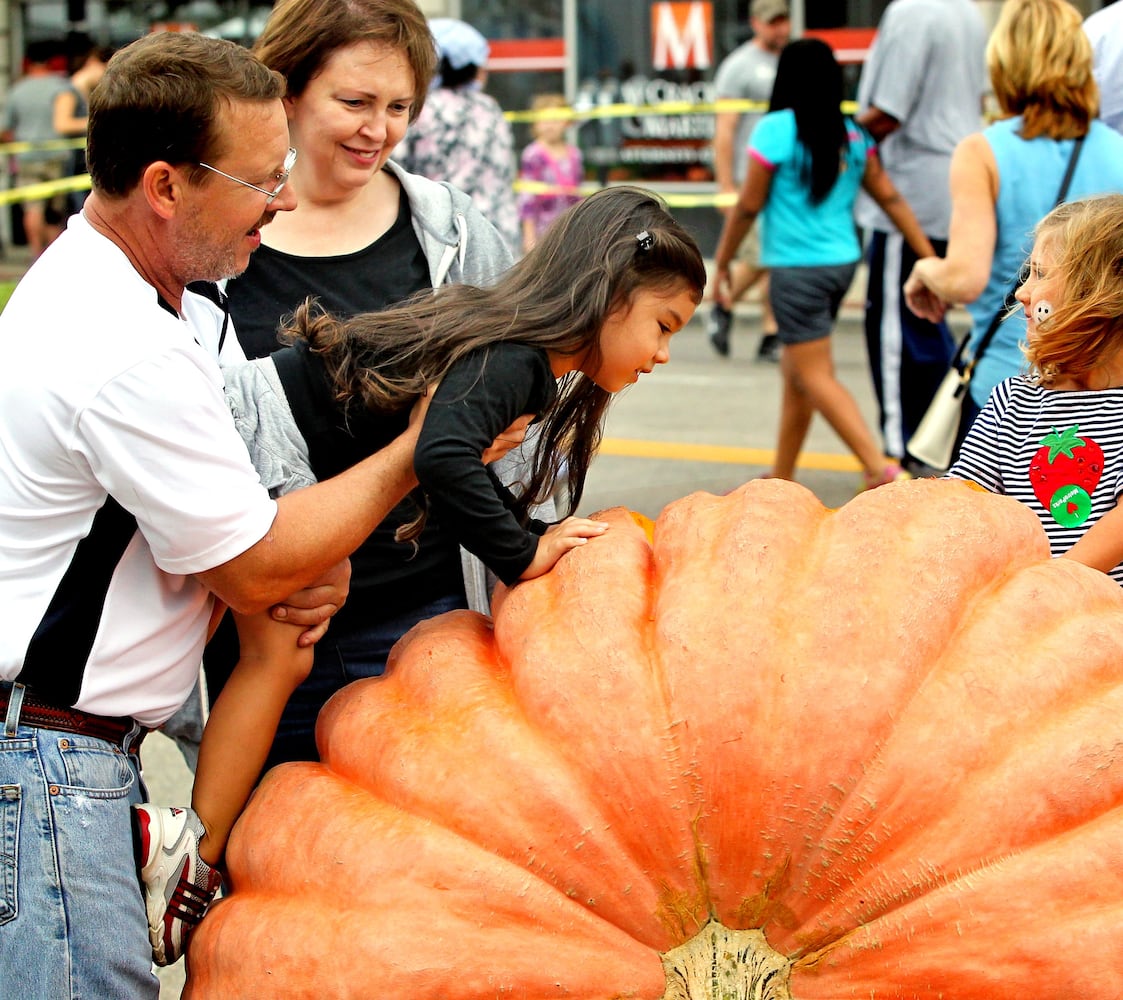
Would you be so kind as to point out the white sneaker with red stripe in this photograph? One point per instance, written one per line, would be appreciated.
(178, 885)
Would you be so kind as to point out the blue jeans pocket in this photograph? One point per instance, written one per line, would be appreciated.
(9, 838)
(93, 768)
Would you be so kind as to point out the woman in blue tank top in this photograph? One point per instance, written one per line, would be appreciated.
(1006, 178)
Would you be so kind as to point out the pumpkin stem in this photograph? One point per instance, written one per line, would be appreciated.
(723, 964)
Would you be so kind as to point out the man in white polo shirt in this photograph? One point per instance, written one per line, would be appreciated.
(127, 499)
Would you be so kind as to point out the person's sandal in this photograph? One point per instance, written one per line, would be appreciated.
(892, 473)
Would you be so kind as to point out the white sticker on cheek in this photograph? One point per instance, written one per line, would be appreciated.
(1042, 311)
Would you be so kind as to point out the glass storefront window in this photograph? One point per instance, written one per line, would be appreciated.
(117, 22)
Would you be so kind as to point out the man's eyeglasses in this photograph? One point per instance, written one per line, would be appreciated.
(290, 161)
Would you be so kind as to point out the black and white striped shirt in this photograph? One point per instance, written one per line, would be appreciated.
(1059, 452)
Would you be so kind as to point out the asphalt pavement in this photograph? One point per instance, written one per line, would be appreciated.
(703, 422)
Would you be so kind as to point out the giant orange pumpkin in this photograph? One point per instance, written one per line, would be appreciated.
(780, 752)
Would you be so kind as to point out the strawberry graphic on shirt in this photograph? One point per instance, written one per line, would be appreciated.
(1064, 472)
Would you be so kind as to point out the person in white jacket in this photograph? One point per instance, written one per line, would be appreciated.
(1104, 29)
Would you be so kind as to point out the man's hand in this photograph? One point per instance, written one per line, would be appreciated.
(510, 439)
(314, 606)
(558, 540)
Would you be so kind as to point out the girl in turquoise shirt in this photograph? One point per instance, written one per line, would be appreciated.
(807, 162)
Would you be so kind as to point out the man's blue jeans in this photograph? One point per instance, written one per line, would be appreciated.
(72, 920)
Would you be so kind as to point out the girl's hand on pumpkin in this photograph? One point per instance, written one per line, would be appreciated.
(558, 540)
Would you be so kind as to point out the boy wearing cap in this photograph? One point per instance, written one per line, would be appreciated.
(747, 73)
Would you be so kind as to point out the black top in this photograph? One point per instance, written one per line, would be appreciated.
(480, 396)
(391, 269)
(387, 577)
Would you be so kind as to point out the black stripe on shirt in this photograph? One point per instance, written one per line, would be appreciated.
(59, 651)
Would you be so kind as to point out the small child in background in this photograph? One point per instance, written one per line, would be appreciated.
(549, 159)
(1053, 438)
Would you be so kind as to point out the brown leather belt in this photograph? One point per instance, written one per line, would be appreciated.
(41, 714)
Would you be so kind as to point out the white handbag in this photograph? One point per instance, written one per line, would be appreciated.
(934, 439)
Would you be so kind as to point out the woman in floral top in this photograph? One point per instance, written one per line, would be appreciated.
(461, 136)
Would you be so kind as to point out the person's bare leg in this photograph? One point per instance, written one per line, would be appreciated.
(35, 229)
(242, 724)
(796, 412)
(767, 319)
(813, 371)
(743, 277)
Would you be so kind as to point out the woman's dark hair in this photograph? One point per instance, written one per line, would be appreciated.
(452, 79)
(588, 264)
(809, 82)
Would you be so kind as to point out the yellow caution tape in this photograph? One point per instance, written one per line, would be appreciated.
(46, 190)
(29, 147)
(633, 110)
(673, 199)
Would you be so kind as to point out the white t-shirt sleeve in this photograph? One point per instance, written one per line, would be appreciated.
(895, 74)
(180, 467)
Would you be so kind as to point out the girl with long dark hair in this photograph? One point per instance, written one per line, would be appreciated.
(807, 162)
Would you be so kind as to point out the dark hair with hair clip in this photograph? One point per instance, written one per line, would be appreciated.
(591, 261)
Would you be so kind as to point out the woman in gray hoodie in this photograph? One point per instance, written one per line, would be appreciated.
(365, 235)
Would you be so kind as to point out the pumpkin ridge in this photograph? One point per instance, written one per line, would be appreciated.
(841, 529)
(479, 802)
(979, 788)
(763, 542)
(956, 913)
(692, 536)
(633, 743)
(407, 892)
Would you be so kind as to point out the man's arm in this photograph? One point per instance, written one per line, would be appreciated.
(725, 131)
(962, 274)
(315, 528)
(878, 123)
(738, 222)
(318, 526)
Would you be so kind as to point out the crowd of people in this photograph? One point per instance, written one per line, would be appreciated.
(305, 375)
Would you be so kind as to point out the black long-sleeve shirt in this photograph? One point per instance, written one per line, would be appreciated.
(481, 396)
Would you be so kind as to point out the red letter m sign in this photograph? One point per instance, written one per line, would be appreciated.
(682, 35)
